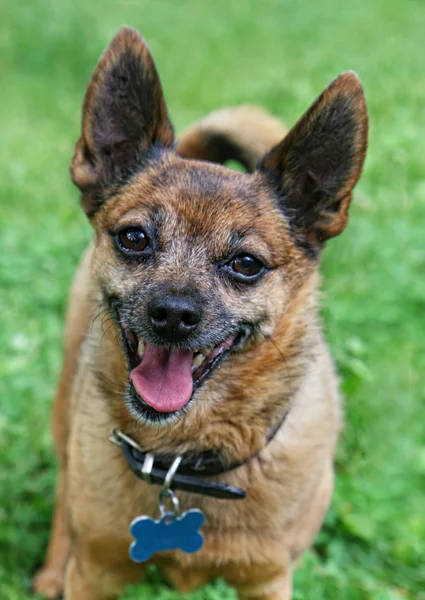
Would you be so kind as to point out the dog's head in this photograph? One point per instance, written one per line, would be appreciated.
(197, 262)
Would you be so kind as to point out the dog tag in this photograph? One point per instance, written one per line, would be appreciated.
(168, 533)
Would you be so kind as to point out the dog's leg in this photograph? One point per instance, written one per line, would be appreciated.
(49, 580)
(87, 581)
(186, 580)
(78, 588)
(279, 588)
(283, 593)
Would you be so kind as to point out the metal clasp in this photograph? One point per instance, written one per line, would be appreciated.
(166, 494)
(147, 467)
(117, 436)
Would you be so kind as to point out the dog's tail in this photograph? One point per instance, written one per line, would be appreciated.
(243, 133)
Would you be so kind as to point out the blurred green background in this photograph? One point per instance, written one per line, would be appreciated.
(279, 54)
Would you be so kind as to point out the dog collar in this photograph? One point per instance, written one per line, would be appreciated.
(154, 468)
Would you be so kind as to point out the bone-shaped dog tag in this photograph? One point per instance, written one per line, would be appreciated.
(168, 533)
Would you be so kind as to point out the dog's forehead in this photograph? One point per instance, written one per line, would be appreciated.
(196, 189)
(199, 200)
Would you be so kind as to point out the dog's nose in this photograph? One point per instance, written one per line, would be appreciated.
(174, 317)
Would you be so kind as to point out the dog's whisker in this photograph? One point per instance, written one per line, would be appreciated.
(98, 315)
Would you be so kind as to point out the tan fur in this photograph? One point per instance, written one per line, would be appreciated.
(285, 366)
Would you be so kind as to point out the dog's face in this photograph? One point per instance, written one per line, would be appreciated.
(197, 262)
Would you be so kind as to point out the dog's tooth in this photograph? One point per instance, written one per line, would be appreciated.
(197, 361)
(141, 347)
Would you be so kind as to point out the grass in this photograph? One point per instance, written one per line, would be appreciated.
(280, 54)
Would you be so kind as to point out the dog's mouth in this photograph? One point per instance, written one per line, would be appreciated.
(165, 378)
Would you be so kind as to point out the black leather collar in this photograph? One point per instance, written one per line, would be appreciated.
(191, 467)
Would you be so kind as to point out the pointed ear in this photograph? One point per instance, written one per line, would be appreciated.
(124, 116)
(316, 166)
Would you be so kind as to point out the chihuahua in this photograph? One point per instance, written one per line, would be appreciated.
(193, 339)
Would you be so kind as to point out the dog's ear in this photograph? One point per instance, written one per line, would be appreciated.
(124, 116)
(316, 166)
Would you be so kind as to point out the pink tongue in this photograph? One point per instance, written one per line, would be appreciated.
(164, 378)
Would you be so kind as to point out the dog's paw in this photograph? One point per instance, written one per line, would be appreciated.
(48, 583)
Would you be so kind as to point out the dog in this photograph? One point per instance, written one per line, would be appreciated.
(193, 335)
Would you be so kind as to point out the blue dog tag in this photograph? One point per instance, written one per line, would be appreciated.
(168, 533)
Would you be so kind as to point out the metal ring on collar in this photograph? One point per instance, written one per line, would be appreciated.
(169, 476)
(166, 491)
(117, 435)
(175, 509)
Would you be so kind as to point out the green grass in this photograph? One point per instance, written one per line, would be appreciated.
(280, 54)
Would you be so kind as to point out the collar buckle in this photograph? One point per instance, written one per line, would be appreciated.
(147, 467)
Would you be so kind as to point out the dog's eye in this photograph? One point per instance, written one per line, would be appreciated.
(132, 239)
(246, 266)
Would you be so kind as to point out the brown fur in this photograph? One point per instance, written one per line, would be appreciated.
(297, 197)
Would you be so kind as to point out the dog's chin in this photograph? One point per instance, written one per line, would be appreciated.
(204, 366)
(143, 413)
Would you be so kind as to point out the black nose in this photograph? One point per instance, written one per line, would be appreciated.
(174, 317)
